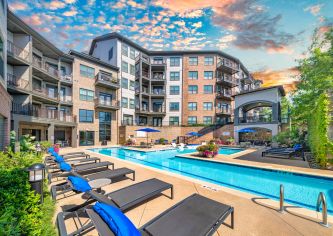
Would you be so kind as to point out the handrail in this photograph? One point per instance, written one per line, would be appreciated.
(281, 199)
(322, 200)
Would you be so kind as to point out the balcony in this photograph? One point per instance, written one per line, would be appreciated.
(17, 55)
(16, 83)
(158, 64)
(107, 104)
(226, 80)
(143, 91)
(45, 94)
(156, 110)
(223, 111)
(228, 66)
(256, 119)
(106, 80)
(67, 100)
(66, 79)
(226, 95)
(158, 77)
(143, 58)
(157, 93)
(43, 69)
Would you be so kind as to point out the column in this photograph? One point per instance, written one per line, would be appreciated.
(50, 133)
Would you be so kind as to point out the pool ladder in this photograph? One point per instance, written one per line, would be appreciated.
(320, 201)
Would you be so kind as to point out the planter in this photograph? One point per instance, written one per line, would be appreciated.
(56, 148)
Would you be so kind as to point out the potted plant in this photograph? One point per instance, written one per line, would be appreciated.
(56, 148)
(201, 149)
(210, 150)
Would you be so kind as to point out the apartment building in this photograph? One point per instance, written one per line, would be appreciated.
(5, 100)
(40, 81)
(173, 87)
(95, 100)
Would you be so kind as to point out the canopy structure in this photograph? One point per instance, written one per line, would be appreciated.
(246, 130)
(193, 134)
(148, 130)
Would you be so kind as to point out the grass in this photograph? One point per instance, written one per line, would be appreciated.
(48, 209)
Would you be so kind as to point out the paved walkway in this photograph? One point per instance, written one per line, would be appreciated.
(251, 217)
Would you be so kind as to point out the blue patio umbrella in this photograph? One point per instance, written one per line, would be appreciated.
(193, 134)
(246, 130)
(148, 130)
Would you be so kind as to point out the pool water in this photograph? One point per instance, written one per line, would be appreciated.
(301, 190)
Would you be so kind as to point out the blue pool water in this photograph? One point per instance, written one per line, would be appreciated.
(301, 190)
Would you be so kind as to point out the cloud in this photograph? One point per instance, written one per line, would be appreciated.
(287, 77)
(18, 6)
(72, 12)
(192, 14)
(135, 4)
(101, 19)
(54, 5)
(225, 41)
(33, 20)
(197, 24)
(314, 9)
(70, 1)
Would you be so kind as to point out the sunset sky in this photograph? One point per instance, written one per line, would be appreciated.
(268, 36)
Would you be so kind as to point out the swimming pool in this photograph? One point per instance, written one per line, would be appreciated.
(301, 190)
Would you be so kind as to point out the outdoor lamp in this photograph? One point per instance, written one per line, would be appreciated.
(36, 177)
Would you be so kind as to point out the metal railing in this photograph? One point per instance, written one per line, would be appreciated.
(223, 94)
(108, 78)
(109, 103)
(158, 62)
(44, 66)
(66, 98)
(158, 92)
(256, 119)
(226, 111)
(158, 76)
(13, 81)
(66, 78)
(45, 93)
(281, 199)
(17, 51)
(322, 201)
(228, 63)
(226, 78)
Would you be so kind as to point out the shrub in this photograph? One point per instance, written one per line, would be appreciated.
(162, 141)
(45, 145)
(210, 149)
(26, 143)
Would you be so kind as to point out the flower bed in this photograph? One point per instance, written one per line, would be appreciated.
(210, 150)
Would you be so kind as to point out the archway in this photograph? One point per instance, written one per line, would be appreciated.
(255, 135)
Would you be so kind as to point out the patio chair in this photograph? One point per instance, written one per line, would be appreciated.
(195, 215)
(174, 145)
(123, 199)
(283, 152)
(92, 179)
(66, 169)
(182, 145)
(78, 158)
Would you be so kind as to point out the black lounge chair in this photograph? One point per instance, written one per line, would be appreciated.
(79, 156)
(195, 215)
(81, 169)
(106, 174)
(124, 199)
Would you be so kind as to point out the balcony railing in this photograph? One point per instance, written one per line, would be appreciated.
(107, 103)
(225, 94)
(158, 76)
(66, 99)
(145, 74)
(228, 63)
(45, 93)
(29, 110)
(143, 57)
(17, 51)
(143, 90)
(223, 111)
(45, 67)
(256, 119)
(13, 81)
(158, 62)
(67, 78)
(158, 92)
(107, 79)
(149, 123)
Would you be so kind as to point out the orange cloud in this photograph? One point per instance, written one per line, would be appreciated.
(287, 77)
(18, 6)
(33, 20)
(54, 5)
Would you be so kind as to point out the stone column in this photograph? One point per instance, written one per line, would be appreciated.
(50, 133)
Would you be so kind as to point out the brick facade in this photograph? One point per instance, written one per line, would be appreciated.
(5, 104)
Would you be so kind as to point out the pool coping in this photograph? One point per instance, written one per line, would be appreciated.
(268, 202)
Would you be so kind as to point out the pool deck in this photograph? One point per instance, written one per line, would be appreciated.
(253, 215)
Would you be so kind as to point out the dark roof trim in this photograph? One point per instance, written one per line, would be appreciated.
(279, 87)
(11, 16)
(92, 59)
(115, 35)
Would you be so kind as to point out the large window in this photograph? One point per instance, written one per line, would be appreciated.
(132, 53)
(124, 66)
(193, 75)
(193, 61)
(207, 120)
(110, 53)
(132, 103)
(132, 85)
(208, 89)
(208, 106)
(174, 90)
(104, 126)
(124, 50)
(86, 138)
(132, 70)
(128, 120)
(86, 116)
(209, 61)
(86, 95)
(87, 71)
(193, 89)
(192, 106)
(124, 102)
(208, 74)
(105, 98)
(174, 61)
(174, 106)
(124, 83)
(174, 76)
(174, 120)
(191, 120)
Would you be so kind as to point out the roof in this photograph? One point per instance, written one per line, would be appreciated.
(279, 87)
(115, 35)
(92, 59)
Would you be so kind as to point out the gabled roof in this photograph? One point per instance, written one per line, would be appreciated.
(279, 87)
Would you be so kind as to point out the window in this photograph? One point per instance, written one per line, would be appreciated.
(191, 120)
(86, 95)
(127, 120)
(124, 50)
(193, 75)
(208, 74)
(174, 90)
(124, 83)
(87, 71)
(193, 89)
(174, 76)
(208, 89)
(132, 53)
(86, 116)
(174, 106)
(132, 85)
(174, 61)
(208, 106)
(207, 120)
(132, 104)
(104, 126)
(124, 102)
(110, 53)
(193, 61)
(174, 120)
(209, 61)
(105, 98)
(192, 106)
(132, 70)
(124, 66)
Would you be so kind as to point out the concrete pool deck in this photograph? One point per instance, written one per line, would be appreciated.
(253, 215)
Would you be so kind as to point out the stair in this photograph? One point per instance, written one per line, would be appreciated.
(204, 132)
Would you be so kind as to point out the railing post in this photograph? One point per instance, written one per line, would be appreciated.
(281, 199)
(322, 200)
